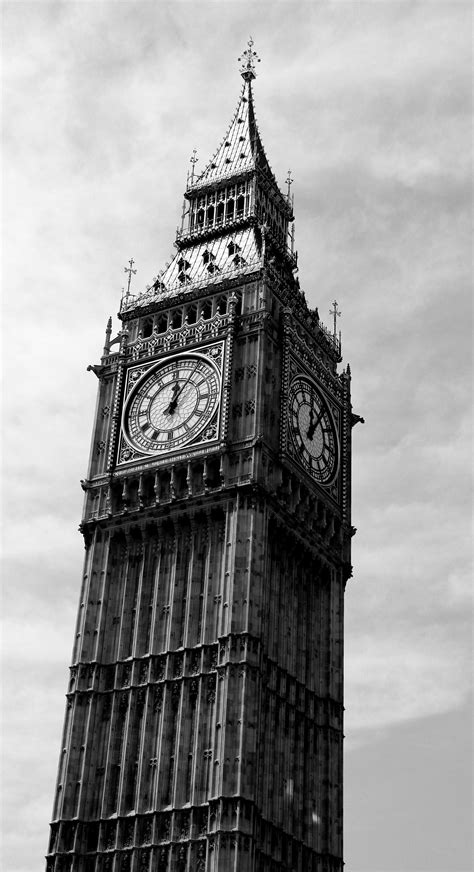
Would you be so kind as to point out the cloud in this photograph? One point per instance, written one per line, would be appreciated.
(393, 677)
(370, 105)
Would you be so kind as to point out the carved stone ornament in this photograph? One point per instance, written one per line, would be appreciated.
(135, 374)
(109, 839)
(178, 665)
(211, 689)
(194, 689)
(184, 832)
(210, 433)
(160, 668)
(215, 351)
(126, 862)
(129, 833)
(158, 699)
(144, 860)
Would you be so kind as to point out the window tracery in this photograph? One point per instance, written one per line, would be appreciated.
(220, 207)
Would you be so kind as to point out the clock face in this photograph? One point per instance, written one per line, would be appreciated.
(313, 431)
(172, 405)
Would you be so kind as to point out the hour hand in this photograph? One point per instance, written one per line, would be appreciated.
(174, 399)
(313, 423)
(312, 427)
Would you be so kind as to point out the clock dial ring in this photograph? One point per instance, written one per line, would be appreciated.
(313, 431)
(172, 404)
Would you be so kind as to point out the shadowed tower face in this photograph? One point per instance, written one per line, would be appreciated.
(203, 729)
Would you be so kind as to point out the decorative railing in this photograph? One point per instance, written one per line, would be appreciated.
(109, 359)
(183, 335)
(209, 226)
(332, 338)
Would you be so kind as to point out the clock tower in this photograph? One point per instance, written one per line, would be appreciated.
(203, 729)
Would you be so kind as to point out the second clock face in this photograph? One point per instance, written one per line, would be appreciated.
(313, 431)
(172, 405)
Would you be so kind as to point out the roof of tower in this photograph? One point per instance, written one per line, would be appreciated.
(211, 261)
(206, 263)
(241, 150)
(217, 249)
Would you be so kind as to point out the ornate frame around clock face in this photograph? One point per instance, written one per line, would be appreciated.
(313, 431)
(172, 404)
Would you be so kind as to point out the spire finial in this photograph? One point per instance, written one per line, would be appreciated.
(336, 314)
(247, 62)
(289, 182)
(193, 161)
(129, 269)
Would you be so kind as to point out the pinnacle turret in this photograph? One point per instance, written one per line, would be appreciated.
(235, 216)
(237, 187)
(241, 150)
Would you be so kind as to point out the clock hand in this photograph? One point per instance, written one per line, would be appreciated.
(313, 424)
(174, 401)
(172, 404)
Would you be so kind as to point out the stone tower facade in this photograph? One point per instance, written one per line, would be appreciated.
(203, 729)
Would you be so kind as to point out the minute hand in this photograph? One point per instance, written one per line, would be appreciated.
(174, 401)
(314, 424)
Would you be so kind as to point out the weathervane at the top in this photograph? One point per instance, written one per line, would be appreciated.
(247, 62)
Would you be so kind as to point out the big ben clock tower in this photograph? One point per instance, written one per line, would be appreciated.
(203, 729)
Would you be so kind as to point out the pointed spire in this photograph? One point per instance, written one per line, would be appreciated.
(237, 152)
(247, 62)
(241, 151)
(108, 333)
(235, 216)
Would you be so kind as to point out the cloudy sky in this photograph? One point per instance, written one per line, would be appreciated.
(370, 105)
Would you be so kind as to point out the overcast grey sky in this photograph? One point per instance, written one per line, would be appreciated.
(370, 105)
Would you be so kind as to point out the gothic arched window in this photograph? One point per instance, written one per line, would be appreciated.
(147, 327)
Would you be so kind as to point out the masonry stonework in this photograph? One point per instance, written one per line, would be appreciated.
(203, 729)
